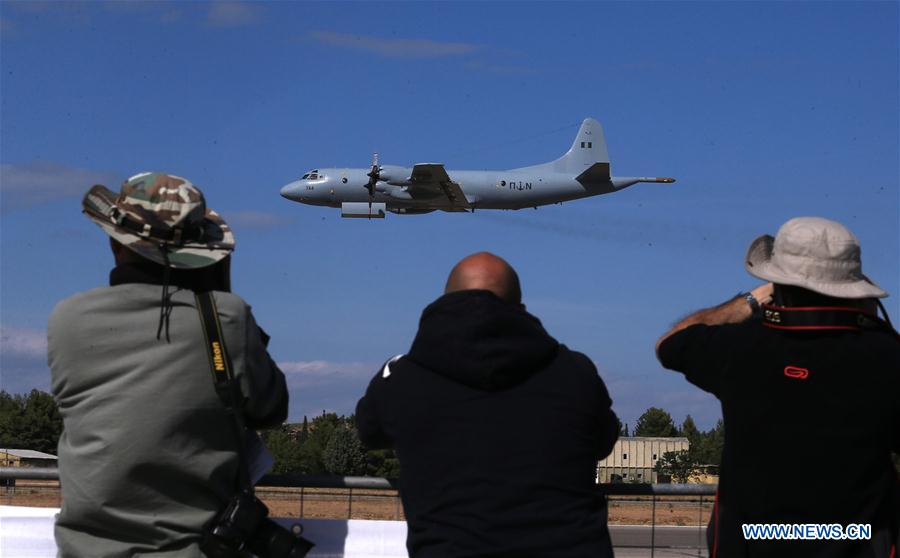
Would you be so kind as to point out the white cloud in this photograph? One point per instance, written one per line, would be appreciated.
(394, 48)
(327, 369)
(233, 14)
(25, 185)
(23, 342)
(23, 360)
(317, 385)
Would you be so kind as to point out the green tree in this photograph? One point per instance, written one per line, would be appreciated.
(43, 423)
(304, 430)
(676, 465)
(313, 448)
(655, 422)
(344, 455)
(11, 411)
(382, 463)
(690, 431)
(285, 450)
(29, 422)
(711, 444)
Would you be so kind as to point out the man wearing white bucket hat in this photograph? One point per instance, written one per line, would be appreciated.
(809, 381)
(149, 453)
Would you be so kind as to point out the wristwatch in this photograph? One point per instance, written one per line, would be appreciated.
(755, 310)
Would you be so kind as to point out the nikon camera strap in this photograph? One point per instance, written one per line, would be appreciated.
(223, 376)
(276, 541)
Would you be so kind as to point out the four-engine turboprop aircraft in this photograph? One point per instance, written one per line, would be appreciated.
(583, 171)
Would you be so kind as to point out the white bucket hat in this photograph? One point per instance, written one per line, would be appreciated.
(813, 253)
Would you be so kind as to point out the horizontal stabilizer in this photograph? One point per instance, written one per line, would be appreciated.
(598, 173)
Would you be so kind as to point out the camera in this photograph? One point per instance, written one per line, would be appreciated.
(243, 529)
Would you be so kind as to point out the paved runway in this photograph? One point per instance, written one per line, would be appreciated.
(659, 553)
(634, 541)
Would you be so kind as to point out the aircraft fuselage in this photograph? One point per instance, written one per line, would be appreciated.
(512, 189)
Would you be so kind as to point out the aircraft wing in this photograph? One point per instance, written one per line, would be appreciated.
(433, 177)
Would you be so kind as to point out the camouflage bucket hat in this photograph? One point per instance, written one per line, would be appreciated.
(163, 218)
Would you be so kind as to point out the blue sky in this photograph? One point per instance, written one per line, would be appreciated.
(762, 111)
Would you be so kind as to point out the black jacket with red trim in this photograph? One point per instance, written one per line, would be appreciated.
(811, 418)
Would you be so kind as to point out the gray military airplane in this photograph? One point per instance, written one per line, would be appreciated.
(583, 171)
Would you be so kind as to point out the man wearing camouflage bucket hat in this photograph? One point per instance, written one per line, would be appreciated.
(156, 210)
(149, 454)
(807, 376)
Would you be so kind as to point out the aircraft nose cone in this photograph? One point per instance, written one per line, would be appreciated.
(291, 191)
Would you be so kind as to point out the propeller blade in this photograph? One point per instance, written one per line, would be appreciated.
(374, 176)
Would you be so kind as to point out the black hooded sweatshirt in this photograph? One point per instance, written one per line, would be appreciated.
(498, 429)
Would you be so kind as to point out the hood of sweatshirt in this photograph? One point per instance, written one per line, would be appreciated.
(477, 339)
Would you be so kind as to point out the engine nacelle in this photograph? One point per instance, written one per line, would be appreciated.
(396, 192)
(362, 210)
(397, 176)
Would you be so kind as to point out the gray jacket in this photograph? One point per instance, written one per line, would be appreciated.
(148, 455)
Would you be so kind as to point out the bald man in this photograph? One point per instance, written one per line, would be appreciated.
(497, 426)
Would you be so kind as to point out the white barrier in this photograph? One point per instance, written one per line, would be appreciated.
(28, 533)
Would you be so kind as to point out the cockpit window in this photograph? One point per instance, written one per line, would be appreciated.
(312, 175)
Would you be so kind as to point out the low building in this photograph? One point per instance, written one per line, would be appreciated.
(26, 458)
(633, 459)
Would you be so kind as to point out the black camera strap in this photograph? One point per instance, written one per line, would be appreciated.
(823, 318)
(242, 528)
(223, 376)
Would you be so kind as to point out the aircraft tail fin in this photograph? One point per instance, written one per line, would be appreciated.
(588, 149)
